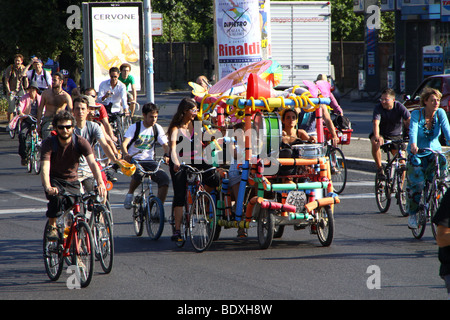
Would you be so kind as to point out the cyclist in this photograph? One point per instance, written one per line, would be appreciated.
(113, 93)
(442, 219)
(27, 106)
(60, 156)
(99, 113)
(92, 132)
(15, 83)
(424, 131)
(128, 80)
(140, 145)
(53, 100)
(181, 132)
(387, 125)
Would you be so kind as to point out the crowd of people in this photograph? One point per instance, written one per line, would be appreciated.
(79, 119)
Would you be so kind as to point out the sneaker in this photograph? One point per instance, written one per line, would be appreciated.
(412, 221)
(176, 236)
(380, 174)
(127, 204)
(52, 233)
(242, 233)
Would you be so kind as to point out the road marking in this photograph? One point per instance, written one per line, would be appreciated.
(23, 195)
(22, 210)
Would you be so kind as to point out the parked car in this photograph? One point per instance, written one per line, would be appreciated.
(440, 82)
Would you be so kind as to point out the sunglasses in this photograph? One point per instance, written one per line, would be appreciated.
(61, 127)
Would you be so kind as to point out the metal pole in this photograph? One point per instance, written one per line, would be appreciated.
(149, 86)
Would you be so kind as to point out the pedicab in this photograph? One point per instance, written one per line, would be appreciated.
(304, 197)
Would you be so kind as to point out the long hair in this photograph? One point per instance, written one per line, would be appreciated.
(185, 105)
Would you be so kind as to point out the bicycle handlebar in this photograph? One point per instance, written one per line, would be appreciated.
(141, 169)
(193, 170)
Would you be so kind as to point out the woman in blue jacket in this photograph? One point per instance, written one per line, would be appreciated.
(424, 131)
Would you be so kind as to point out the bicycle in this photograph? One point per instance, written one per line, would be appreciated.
(120, 122)
(100, 221)
(199, 217)
(16, 129)
(33, 148)
(147, 207)
(432, 194)
(74, 243)
(394, 181)
(338, 167)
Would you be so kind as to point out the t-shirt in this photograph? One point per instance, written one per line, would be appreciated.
(92, 133)
(64, 162)
(70, 85)
(391, 120)
(145, 141)
(127, 81)
(442, 217)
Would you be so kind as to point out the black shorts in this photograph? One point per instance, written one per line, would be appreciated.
(391, 138)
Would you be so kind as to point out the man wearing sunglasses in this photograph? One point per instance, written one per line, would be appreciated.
(60, 156)
(387, 125)
(112, 93)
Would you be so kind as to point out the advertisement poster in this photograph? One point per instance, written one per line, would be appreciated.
(116, 38)
(238, 34)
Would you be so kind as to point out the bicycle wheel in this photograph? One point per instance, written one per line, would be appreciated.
(382, 193)
(338, 169)
(421, 223)
(325, 225)
(12, 133)
(138, 215)
(83, 257)
(53, 257)
(265, 228)
(202, 221)
(434, 205)
(154, 217)
(28, 146)
(401, 192)
(104, 239)
(36, 156)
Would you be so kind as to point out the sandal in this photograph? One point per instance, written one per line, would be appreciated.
(127, 48)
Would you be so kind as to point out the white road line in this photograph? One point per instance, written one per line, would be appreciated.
(23, 195)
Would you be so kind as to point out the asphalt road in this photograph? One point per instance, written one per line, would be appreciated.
(373, 256)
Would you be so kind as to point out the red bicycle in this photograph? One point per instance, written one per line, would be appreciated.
(75, 245)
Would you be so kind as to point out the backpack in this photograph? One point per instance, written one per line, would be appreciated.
(138, 130)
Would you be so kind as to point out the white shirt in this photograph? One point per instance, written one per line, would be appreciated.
(145, 143)
(118, 98)
(44, 80)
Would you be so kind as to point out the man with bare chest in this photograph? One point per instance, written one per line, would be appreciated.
(53, 100)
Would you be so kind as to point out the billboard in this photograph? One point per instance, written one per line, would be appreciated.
(114, 37)
(238, 34)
